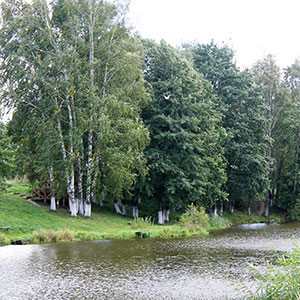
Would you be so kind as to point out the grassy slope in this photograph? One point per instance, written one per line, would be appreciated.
(24, 218)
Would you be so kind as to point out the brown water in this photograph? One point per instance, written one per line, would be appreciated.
(141, 269)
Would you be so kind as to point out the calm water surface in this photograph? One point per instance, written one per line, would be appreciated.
(141, 269)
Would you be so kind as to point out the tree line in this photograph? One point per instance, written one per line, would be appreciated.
(104, 115)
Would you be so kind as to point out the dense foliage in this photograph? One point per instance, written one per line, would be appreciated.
(102, 115)
(7, 156)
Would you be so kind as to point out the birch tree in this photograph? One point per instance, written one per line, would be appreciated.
(76, 68)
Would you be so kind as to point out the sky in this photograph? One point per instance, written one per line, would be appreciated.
(253, 28)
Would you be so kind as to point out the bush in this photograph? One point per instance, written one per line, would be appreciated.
(278, 282)
(49, 236)
(3, 239)
(218, 222)
(195, 219)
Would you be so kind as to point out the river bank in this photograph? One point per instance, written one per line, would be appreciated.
(36, 223)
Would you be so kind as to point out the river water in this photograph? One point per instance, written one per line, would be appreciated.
(191, 268)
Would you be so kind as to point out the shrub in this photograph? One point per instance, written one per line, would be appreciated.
(195, 219)
(3, 239)
(41, 236)
(66, 235)
(49, 236)
(218, 222)
(277, 282)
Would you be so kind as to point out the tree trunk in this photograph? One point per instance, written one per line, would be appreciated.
(221, 209)
(166, 214)
(87, 209)
(116, 205)
(103, 199)
(160, 217)
(52, 202)
(134, 211)
(71, 193)
(215, 209)
(87, 204)
(249, 207)
(267, 203)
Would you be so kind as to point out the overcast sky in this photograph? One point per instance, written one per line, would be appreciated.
(253, 28)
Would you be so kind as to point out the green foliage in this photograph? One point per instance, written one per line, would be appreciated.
(74, 76)
(218, 222)
(142, 222)
(50, 236)
(279, 281)
(3, 239)
(7, 156)
(185, 156)
(243, 118)
(295, 211)
(195, 219)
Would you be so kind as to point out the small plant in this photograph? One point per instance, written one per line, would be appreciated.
(66, 235)
(2, 239)
(218, 222)
(277, 282)
(49, 236)
(195, 219)
(142, 222)
(41, 236)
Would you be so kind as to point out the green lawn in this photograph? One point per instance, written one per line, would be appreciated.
(27, 221)
(24, 218)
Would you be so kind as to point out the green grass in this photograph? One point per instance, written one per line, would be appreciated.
(239, 217)
(27, 221)
(39, 224)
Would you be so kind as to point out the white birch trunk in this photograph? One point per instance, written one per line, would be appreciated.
(80, 207)
(71, 195)
(267, 204)
(80, 193)
(87, 203)
(160, 217)
(166, 214)
(93, 196)
(80, 184)
(135, 211)
(117, 208)
(215, 210)
(249, 211)
(221, 209)
(124, 212)
(52, 201)
(87, 209)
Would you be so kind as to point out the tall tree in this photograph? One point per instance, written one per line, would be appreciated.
(185, 157)
(268, 79)
(242, 117)
(76, 69)
(7, 156)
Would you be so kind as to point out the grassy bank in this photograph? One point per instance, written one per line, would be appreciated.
(37, 223)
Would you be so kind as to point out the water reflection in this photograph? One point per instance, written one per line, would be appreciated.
(140, 269)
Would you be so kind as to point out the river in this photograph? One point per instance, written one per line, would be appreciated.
(190, 268)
